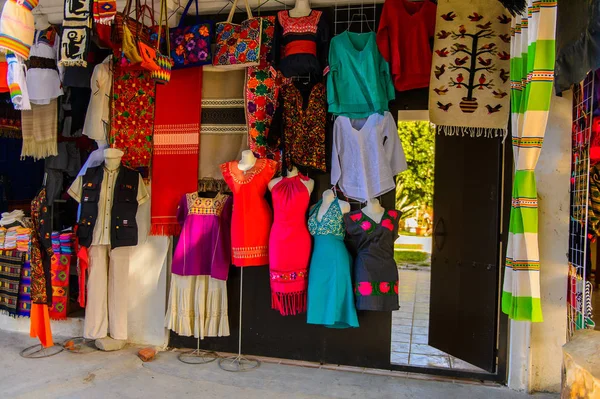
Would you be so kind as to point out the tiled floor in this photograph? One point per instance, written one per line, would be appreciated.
(410, 326)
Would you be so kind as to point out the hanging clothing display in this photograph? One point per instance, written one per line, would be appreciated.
(305, 126)
(198, 296)
(17, 83)
(109, 202)
(24, 298)
(98, 112)
(359, 81)
(176, 147)
(132, 117)
(330, 291)
(43, 80)
(41, 283)
(223, 131)
(10, 118)
(252, 216)
(210, 219)
(17, 27)
(375, 270)
(39, 126)
(468, 92)
(289, 246)
(60, 269)
(305, 42)
(366, 155)
(262, 92)
(403, 40)
(76, 32)
(532, 52)
(11, 262)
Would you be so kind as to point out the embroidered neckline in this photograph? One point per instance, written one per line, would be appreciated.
(240, 177)
(369, 225)
(206, 206)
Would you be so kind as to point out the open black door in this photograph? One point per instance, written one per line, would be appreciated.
(466, 243)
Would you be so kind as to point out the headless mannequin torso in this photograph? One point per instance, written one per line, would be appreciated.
(310, 183)
(301, 9)
(328, 198)
(247, 162)
(374, 210)
(41, 22)
(112, 158)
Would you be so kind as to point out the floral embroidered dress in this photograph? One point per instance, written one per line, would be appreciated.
(132, 117)
(289, 246)
(375, 270)
(198, 295)
(304, 134)
(330, 294)
(252, 216)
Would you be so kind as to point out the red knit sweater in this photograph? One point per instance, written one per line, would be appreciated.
(403, 40)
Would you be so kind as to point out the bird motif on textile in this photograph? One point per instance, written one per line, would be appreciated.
(482, 80)
(505, 37)
(441, 91)
(461, 61)
(499, 93)
(475, 17)
(459, 80)
(439, 71)
(443, 34)
(504, 19)
(449, 16)
(462, 30)
(504, 75)
(442, 52)
(504, 56)
(444, 107)
(483, 62)
(492, 110)
(485, 26)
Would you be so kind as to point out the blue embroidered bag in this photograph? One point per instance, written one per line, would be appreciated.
(191, 44)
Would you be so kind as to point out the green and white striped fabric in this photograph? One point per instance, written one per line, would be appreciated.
(532, 75)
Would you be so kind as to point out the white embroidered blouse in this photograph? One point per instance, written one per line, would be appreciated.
(367, 154)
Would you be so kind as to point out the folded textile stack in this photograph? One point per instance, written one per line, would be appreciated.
(10, 239)
(56, 242)
(23, 237)
(2, 235)
(66, 243)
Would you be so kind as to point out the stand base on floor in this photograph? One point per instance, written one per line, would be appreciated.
(238, 363)
(197, 356)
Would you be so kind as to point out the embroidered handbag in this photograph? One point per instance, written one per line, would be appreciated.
(238, 46)
(191, 43)
(164, 63)
(149, 55)
(129, 48)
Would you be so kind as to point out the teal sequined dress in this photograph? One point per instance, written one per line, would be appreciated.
(330, 294)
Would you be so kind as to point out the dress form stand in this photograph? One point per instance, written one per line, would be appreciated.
(328, 198)
(301, 9)
(198, 356)
(40, 22)
(240, 362)
(293, 172)
(374, 210)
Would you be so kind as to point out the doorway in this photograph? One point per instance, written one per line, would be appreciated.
(440, 261)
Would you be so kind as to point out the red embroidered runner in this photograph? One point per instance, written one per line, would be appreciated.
(176, 147)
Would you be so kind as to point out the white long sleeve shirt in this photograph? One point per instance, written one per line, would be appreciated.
(97, 116)
(366, 155)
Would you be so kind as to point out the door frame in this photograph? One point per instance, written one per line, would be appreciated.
(501, 374)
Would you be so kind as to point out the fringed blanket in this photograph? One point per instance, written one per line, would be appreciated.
(11, 263)
(76, 33)
(104, 11)
(470, 79)
(176, 147)
(39, 127)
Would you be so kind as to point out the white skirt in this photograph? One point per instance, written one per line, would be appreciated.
(197, 306)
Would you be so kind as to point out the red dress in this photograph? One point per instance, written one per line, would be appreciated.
(289, 246)
(252, 217)
(403, 40)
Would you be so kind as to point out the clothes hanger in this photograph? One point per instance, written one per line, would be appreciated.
(365, 20)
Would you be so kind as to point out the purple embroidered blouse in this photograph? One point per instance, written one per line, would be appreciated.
(204, 246)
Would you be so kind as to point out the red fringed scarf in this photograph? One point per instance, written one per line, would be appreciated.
(176, 147)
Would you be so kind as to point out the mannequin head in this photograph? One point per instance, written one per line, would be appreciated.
(301, 9)
(41, 21)
(112, 158)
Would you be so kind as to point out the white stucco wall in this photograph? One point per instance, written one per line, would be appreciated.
(535, 355)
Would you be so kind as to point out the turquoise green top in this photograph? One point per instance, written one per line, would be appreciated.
(359, 82)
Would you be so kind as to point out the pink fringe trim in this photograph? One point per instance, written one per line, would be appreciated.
(289, 303)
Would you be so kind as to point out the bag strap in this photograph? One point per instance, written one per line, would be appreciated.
(185, 13)
(163, 16)
(248, 10)
(144, 8)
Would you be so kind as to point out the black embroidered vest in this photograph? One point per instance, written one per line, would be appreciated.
(123, 226)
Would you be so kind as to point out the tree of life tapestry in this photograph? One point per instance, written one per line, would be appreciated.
(470, 80)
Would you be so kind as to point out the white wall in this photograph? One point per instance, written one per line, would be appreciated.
(535, 355)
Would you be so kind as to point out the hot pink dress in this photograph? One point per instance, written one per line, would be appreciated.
(289, 246)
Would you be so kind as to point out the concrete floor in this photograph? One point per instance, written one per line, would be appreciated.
(123, 375)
